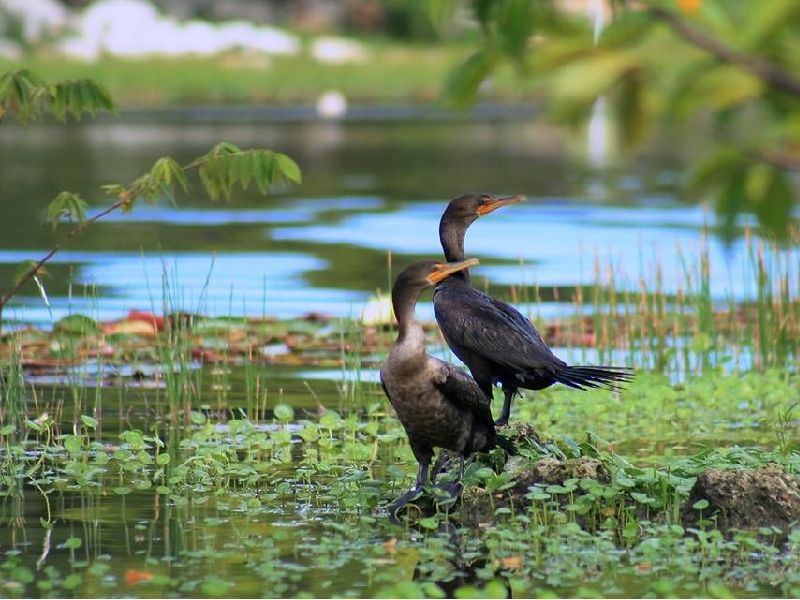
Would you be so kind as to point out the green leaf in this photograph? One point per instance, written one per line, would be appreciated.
(330, 419)
(162, 178)
(483, 473)
(771, 195)
(33, 425)
(483, 11)
(763, 21)
(197, 417)
(85, 96)
(515, 25)
(216, 588)
(632, 29)
(289, 169)
(634, 117)
(23, 271)
(89, 422)
(74, 96)
(712, 169)
(584, 80)
(731, 201)
(73, 543)
(262, 172)
(283, 412)
(21, 574)
(73, 444)
(724, 86)
(576, 86)
(462, 85)
(17, 95)
(428, 523)
(75, 324)
(227, 167)
(55, 97)
(134, 439)
(67, 205)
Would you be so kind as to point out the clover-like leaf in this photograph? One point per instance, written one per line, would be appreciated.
(66, 206)
(226, 166)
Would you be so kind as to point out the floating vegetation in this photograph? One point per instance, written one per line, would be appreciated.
(184, 455)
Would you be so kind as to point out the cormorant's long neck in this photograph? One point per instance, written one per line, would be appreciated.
(410, 336)
(451, 236)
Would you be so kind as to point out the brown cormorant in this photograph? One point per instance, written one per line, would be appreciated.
(439, 405)
(496, 342)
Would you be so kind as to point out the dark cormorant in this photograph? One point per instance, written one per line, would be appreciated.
(438, 404)
(494, 340)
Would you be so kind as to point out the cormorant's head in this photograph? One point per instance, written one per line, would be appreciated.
(466, 209)
(427, 273)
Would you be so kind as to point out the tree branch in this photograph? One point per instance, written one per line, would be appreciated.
(775, 76)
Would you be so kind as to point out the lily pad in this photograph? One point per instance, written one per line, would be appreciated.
(76, 324)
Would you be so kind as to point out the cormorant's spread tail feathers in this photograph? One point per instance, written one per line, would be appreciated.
(583, 377)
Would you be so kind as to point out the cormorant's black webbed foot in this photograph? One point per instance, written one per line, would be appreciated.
(452, 489)
(452, 492)
(404, 499)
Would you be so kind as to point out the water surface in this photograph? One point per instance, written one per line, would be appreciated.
(371, 189)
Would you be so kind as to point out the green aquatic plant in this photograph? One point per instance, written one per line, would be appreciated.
(267, 480)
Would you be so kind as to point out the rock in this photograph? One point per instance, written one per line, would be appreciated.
(744, 499)
(551, 471)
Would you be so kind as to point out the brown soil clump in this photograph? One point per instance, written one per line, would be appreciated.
(745, 499)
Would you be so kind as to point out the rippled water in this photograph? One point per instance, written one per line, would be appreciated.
(370, 188)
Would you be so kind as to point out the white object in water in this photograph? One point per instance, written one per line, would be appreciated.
(378, 311)
(331, 104)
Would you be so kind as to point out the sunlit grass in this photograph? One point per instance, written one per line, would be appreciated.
(393, 73)
(689, 331)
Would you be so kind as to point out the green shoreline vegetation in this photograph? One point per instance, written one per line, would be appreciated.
(393, 73)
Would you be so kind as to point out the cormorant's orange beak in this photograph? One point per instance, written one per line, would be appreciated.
(495, 203)
(443, 270)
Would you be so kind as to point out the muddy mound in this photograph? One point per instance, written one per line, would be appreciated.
(744, 499)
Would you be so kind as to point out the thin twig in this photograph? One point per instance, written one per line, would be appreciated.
(75, 231)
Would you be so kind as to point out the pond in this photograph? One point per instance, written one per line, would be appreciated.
(270, 478)
(370, 188)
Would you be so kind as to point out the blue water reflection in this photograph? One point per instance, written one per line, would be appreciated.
(232, 284)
